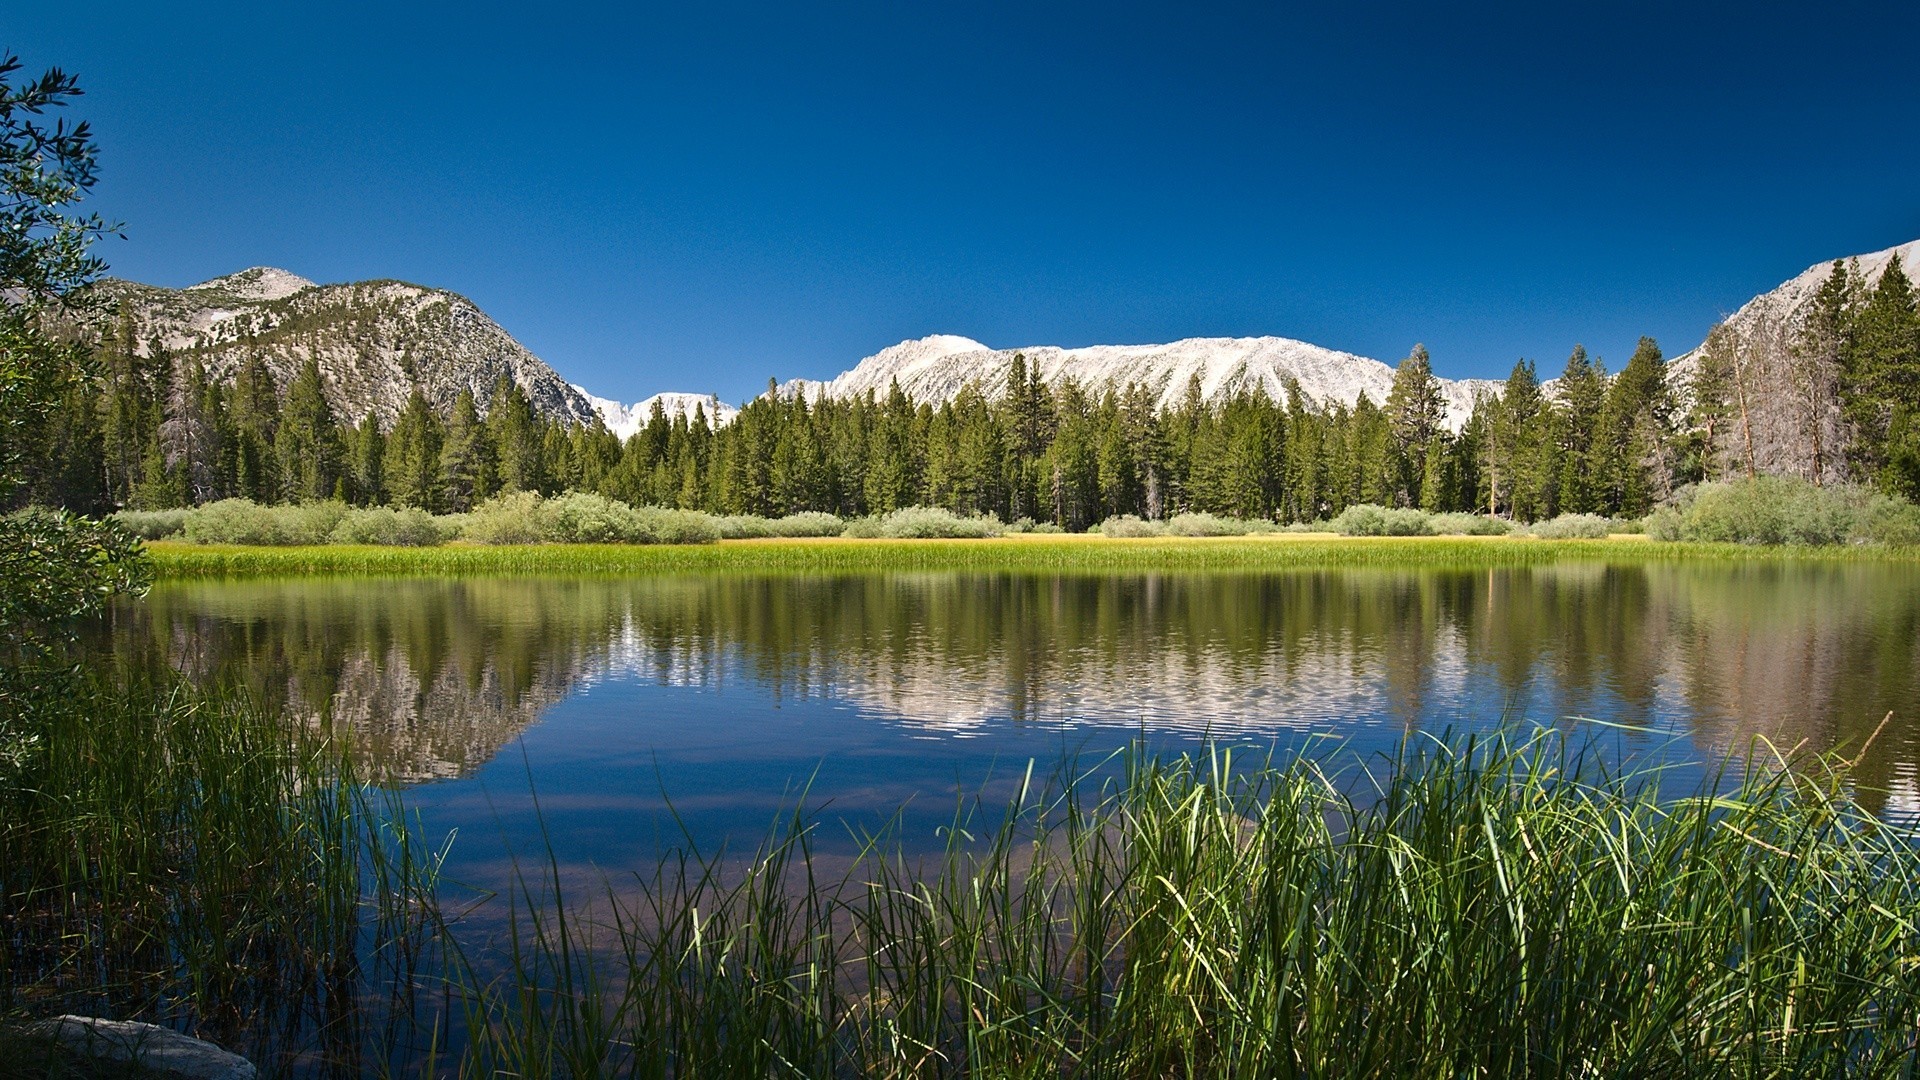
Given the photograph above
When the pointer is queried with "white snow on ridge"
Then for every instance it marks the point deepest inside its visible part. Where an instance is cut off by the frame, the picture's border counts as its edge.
(625, 420)
(934, 369)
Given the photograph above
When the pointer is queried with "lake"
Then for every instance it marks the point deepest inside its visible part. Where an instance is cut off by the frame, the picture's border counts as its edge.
(627, 715)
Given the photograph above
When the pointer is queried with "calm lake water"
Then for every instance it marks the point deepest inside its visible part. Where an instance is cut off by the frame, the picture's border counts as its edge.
(637, 708)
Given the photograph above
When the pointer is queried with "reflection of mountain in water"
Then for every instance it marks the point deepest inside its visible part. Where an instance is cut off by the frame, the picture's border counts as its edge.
(435, 676)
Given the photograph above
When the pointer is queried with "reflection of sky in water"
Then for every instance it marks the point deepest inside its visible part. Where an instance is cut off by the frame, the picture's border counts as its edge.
(729, 695)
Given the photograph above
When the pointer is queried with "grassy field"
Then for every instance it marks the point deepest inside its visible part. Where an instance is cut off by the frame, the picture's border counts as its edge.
(1011, 554)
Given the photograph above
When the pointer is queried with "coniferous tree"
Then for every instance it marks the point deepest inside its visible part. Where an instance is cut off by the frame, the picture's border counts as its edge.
(1576, 417)
(515, 437)
(412, 464)
(1632, 459)
(366, 459)
(1883, 383)
(1711, 415)
(307, 443)
(255, 409)
(466, 457)
(1414, 413)
(1817, 353)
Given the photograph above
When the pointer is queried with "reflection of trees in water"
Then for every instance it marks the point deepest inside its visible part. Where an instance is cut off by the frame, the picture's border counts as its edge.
(435, 676)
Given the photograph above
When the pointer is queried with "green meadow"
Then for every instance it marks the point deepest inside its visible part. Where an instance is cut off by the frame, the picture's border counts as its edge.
(1042, 553)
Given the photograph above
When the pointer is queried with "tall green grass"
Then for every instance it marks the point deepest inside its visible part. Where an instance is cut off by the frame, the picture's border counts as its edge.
(1013, 555)
(181, 856)
(1505, 907)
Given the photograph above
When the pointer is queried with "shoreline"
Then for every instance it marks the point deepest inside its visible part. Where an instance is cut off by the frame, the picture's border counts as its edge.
(1046, 553)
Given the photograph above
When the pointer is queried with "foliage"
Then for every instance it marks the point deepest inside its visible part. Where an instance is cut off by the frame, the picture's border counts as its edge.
(154, 524)
(1785, 510)
(180, 855)
(1464, 524)
(1463, 907)
(1127, 526)
(1367, 519)
(386, 526)
(813, 523)
(1573, 527)
(240, 521)
(924, 523)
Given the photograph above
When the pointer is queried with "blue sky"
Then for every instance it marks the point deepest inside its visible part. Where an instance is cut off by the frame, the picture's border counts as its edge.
(700, 196)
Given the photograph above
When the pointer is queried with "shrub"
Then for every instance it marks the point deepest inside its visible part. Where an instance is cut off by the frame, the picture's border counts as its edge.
(932, 522)
(1573, 527)
(1785, 510)
(242, 521)
(753, 527)
(809, 523)
(862, 528)
(743, 526)
(1206, 524)
(1127, 525)
(1463, 524)
(517, 518)
(579, 517)
(1046, 528)
(390, 527)
(662, 525)
(153, 524)
(1368, 519)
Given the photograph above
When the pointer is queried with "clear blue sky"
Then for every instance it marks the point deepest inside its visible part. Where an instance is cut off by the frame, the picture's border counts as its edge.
(698, 196)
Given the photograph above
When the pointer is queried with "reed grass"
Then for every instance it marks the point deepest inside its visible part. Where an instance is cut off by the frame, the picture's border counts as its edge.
(1013, 554)
(182, 857)
(1508, 906)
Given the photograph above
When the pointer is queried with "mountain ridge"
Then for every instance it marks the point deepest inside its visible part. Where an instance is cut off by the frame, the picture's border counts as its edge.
(376, 341)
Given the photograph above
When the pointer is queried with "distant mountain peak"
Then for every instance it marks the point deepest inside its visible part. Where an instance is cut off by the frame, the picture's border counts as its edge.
(934, 369)
(625, 420)
(256, 283)
(375, 342)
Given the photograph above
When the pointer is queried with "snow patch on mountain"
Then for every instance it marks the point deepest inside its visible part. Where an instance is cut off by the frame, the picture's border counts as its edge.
(625, 420)
(935, 369)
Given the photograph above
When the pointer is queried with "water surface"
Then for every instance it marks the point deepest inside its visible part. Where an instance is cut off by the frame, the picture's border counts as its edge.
(726, 695)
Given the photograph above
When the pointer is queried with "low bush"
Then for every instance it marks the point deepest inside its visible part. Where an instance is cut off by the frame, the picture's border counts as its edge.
(663, 525)
(390, 527)
(1127, 526)
(518, 518)
(242, 521)
(1573, 527)
(754, 527)
(1785, 510)
(1205, 524)
(1461, 524)
(153, 524)
(1368, 519)
(924, 523)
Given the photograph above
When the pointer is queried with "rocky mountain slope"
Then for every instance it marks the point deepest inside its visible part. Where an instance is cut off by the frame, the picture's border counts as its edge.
(1762, 333)
(376, 341)
(934, 369)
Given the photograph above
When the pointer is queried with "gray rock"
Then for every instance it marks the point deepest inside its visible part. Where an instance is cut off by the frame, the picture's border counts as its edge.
(147, 1045)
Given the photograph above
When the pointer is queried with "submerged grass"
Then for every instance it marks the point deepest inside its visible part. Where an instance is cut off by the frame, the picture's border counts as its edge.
(1011, 554)
(1500, 907)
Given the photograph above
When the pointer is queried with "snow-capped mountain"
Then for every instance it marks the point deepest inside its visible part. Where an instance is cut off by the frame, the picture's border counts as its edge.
(934, 369)
(375, 341)
(624, 420)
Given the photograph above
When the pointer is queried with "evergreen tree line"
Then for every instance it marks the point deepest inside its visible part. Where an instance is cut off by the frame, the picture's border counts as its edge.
(154, 431)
